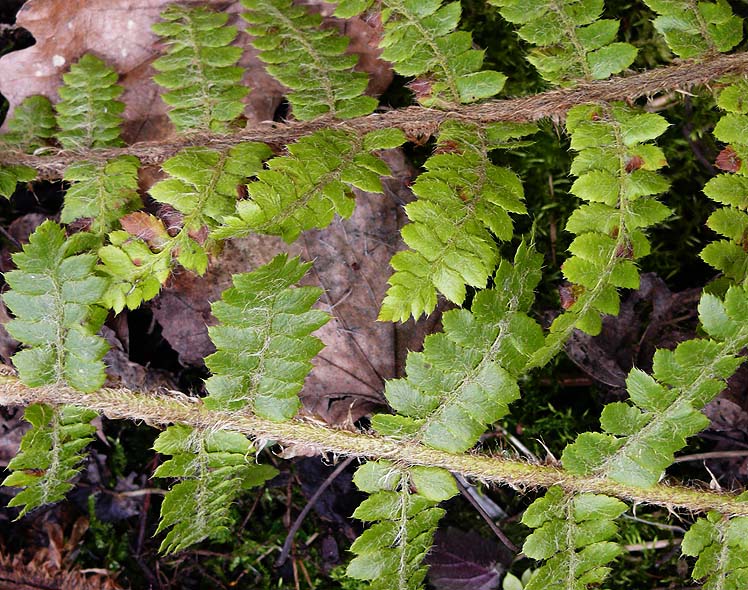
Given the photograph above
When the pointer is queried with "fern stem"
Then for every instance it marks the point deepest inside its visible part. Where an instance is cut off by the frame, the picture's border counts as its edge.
(162, 409)
(416, 122)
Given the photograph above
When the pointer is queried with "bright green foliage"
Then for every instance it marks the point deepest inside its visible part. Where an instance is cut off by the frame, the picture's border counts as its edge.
(11, 175)
(309, 60)
(33, 124)
(572, 41)
(102, 193)
(463, 202)
(89, 114)
(721, 545)
(50, 454)
(692, 29)
(263, 340)
(213, 469)
(54, 295)
(640, 439)
(730, 256)
(306, 188)
(572, 533)
(403, 507)
(420, 40)
(617, 177)
(466, 376)
(199, 69)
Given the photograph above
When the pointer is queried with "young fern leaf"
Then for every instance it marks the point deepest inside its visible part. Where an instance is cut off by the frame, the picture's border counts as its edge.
(199, 69)
(466, 376)
(617, 175)
(307, 59)
(33, 124)
(694, 29)
(463, 202)
(731, 221)
(101, 193)
(213, 469)
(49, 455)
(89, 114)
(641, 439)
(202, 187)
(53, 295)
(572, 533)
(572, 41)
(721, 545)
(420, 40)
(263, 341)
(403, 506)
(306, 188)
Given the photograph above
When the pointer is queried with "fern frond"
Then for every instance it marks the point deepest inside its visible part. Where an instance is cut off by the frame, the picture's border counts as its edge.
(214, 467)
(721, 545)
(466, 376)
(403, 506)
(263, 340)
(617, 175)
(693, 29)
(102, 193)
(202, 187)
(731, 221)
(420, 40)
(54, 295)
(307, 187)
(49, 455)
(572, 41)
(572, 533)
(463, 202)
(309, 60)
(32, 125)
(199, 69)
(11, 175)
(89, 114)
(641, 439)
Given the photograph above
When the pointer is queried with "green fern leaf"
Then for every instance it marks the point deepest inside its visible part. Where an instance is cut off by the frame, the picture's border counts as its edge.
(403, 507)
(572, 534)
(463, 202)
(89, 114)
(466, 376)
(721, 545)
(11, 175)
(102, 193)
(32, 125)
(641, 439)
(420, 40)
(199, 69)
(54, 295)
(263, 341)
(572, 41)
(309, 60)
(692, 29)
(306, 188)
(49, 455)
(214, 468)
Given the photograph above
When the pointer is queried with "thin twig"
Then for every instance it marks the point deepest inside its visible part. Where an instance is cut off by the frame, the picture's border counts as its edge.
(496, 530)
(302, 515)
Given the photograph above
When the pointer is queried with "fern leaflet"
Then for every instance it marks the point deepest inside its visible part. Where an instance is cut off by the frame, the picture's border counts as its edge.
(731, 221)
(32, 125)
(572, 533)
(572, 41)
(306, 188)
(263, 341)
(466, 376)
(463, 202)
(213, 469)
(307, 59)
(199, 69)
(403, 506)
(11, 175)
(640, 440)
(692, 29)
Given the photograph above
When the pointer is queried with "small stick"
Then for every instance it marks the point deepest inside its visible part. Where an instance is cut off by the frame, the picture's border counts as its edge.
(496, 530)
